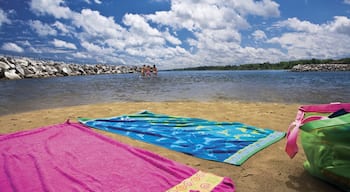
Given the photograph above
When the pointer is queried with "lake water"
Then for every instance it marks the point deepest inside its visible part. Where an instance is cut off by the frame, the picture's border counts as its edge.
(265, 86)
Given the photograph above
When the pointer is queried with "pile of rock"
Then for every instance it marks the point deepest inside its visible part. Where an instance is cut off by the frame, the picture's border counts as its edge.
(321, 67)
(19, 68)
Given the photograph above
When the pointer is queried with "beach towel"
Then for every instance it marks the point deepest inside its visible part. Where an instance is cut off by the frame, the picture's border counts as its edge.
(229, 142)
(72, 157)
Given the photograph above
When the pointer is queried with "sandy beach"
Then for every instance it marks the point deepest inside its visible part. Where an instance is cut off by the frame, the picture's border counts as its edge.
(268, 170)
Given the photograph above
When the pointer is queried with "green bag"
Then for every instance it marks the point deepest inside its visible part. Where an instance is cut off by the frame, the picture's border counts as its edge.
(326, 142)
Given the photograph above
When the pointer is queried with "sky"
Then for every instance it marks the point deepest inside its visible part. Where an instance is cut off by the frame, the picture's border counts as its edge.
(175, 33)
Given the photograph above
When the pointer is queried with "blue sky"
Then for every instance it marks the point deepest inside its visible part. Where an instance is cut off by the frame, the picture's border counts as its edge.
(175, 33)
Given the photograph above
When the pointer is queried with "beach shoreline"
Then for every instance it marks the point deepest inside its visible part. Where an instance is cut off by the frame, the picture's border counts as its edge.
(268, 170)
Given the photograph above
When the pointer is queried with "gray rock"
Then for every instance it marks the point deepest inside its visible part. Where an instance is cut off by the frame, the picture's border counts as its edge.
(4, 65)
(11, 74)
(2, 73)
(10, 60)
(30, 68)
(22, 62)
(66, 71)
(20, 70)
(321, 67)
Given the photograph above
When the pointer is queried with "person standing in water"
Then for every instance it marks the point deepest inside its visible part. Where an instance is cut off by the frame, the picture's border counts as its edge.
(154, 70)
(143, 70)
(148, 71)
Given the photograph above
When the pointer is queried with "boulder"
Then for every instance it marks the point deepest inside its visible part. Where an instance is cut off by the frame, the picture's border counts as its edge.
(66, 71)
(4, 65)
(20, 70)
(22, 62)
(11, 74)
(2, 73)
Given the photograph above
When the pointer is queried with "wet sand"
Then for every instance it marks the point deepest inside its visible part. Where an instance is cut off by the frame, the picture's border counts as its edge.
(268, 170)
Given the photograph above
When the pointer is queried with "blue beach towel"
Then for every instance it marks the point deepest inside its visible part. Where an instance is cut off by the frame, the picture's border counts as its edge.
(229, 142)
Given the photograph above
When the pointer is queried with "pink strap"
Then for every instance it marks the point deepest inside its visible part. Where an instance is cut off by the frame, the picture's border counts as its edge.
(292, 134)
(326, 108)
(293, 129)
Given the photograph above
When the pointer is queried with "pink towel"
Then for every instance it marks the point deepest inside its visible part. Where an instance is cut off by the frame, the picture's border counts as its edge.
(71, 157)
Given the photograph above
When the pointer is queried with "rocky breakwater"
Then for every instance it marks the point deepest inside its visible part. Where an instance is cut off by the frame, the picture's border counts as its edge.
(19, 68)
(321, 67)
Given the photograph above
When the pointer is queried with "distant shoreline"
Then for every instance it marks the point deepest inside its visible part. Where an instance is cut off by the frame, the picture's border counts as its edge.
(298, 65)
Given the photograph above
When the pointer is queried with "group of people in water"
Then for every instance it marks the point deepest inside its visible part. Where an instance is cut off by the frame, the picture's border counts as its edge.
(148, 71)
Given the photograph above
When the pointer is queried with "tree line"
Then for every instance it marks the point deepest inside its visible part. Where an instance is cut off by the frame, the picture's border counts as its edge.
(283, 65)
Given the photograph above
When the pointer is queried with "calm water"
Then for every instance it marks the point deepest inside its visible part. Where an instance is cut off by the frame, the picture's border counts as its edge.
(266, 86)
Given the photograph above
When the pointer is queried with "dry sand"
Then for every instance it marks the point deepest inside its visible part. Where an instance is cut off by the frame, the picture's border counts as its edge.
(268, 170)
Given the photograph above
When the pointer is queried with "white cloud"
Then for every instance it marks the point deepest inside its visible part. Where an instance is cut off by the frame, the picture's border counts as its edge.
(4, 18)
(51, 7)
(12, 47)
(63, 27)
(347, 1)
(340, 24)
(139, 25)
(28, 46)
(81, 55)
(295, 24)
(265, 8)
(306, 45)
(214, 27)
(141, 33)
(96, 1)
(25, 43)
(194, 16)
(96, 49)
(42, 29)
(63, 44)
(34, 50)
(170, 38)
(259, 35)
(95, 24)
(308, 40)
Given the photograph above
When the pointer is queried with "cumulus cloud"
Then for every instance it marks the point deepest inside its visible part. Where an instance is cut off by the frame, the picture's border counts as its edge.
(96, 1)
(139, 29)
(81, 55)
(308, 40)
(295, 24)
(265, 8)
(28, 46)
(215, 25)
(42, 29)
(194, 16)
(63, 44)
(340, 24)
(95, 24)
(63, 27)
(96, 49)
(259, 35)
(12, 47)
(4, 18)
(56, 8)
(213, 31)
